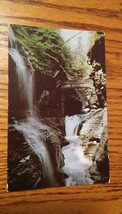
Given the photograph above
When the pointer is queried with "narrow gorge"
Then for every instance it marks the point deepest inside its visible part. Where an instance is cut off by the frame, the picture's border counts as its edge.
(57, 132)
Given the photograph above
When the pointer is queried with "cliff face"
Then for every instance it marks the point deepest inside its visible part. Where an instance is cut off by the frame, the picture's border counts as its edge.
(48, 93)
(95, 141)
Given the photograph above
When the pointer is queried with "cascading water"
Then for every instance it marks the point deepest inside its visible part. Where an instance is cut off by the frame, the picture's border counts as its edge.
(24, 77)
(76, 164)
(31, 128)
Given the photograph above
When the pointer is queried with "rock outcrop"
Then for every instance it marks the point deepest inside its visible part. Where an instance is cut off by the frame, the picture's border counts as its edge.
(95, 141)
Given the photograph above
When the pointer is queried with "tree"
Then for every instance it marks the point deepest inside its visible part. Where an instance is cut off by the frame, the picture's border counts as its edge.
(45, 48)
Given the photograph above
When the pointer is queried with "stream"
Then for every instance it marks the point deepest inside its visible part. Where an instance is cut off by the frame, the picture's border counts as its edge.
(76, 164)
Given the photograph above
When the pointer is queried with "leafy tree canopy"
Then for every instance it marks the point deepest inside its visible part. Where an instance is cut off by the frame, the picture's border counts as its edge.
(46, 49)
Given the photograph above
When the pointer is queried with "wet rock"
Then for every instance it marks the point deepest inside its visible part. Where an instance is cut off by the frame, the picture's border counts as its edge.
(18, 105)
(24, 167)
(48, 93)
(94, 126)
(54, 143)
(25, 170)
(95, 140)
(101, 159)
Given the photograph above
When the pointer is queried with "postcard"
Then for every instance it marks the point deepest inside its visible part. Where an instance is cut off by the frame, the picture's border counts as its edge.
(57, 113)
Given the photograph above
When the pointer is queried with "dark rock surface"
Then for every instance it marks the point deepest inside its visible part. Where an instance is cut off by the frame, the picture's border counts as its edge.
(48, 93)
(24, 167)
(101, 161)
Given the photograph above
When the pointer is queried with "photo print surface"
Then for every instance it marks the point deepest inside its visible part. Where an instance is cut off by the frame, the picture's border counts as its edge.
(57, 116)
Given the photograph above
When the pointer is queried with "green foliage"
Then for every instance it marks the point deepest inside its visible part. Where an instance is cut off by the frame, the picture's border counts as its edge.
(45, 48)
(96, 36)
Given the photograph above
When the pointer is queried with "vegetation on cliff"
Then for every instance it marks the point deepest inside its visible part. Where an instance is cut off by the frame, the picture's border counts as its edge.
(45, 47)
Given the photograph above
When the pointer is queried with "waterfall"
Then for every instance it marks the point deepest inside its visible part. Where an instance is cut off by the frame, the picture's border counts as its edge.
(32, 131)
(12, 39)
(71, 125)
(31, 128)
(24, 77)
(76, 164)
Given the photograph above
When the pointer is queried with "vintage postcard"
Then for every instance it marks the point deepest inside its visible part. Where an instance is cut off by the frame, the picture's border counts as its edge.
(57, 123)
